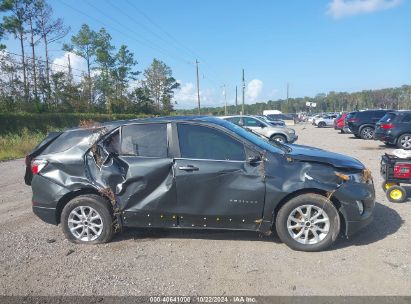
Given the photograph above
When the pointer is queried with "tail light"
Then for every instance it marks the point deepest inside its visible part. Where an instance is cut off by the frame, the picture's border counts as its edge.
(37, 165)
(402, 170)
(387, 126)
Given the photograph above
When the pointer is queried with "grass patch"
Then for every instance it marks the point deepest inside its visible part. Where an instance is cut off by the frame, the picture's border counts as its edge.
(18, 145)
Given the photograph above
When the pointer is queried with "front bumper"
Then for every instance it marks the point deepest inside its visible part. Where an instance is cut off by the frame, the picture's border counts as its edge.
(348, 195)
(292, 139)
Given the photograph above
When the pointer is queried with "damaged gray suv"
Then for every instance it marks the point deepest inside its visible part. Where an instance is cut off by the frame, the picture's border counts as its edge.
(196, 173)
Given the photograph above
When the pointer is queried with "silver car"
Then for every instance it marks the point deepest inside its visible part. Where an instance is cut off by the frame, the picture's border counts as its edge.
(280, 134)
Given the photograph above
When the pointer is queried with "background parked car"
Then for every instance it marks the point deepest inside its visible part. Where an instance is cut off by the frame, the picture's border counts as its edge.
(395, 129)
(287, 118)
(325, 121)
(339, 122)
(362, 123)
(275, 123)
(280, 134)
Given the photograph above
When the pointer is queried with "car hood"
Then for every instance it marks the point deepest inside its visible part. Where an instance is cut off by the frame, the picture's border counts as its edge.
(311, 154)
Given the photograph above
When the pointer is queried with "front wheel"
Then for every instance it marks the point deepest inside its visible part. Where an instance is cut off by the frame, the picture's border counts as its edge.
(279, 138)
(87, 219)
(321, 124)
(308, 222)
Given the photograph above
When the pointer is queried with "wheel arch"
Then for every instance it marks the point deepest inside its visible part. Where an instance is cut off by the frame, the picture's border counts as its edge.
(279, 133)
(365, 125)
(63, 201)
(318, 191)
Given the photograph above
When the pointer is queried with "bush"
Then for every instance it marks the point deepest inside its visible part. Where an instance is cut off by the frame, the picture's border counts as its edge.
(18, 145)
(16, 123)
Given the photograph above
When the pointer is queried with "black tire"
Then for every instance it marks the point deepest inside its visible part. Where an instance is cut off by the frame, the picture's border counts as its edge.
(321, 124)
(386, 185)
(279, 138)
(88, 202)
(318, 201)
(367, 133)
(404, 141)
(391, 194)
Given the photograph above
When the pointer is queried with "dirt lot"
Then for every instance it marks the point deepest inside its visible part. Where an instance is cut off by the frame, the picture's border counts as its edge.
(35, 259)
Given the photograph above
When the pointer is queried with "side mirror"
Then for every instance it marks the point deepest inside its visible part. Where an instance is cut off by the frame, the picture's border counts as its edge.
(252, 160)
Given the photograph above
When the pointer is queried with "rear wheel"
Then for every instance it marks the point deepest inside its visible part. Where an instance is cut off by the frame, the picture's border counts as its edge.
(321, 124)
(87, 219)
(367, 133)
(308, 222)
(279, 138)
(404, 142)
(396, 194)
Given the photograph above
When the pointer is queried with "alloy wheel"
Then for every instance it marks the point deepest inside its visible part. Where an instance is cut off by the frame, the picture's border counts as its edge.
(308, 224)
(367, 133)
(406, 142)
(85, 223)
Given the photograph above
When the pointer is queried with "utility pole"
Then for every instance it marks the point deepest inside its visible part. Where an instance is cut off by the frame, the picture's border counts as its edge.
(198, 89)
(225, 100)
(236, 103)
(242, 106)
(69, 68)
(288, 89)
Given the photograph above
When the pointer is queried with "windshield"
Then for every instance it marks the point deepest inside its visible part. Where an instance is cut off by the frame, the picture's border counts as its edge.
(254, 138)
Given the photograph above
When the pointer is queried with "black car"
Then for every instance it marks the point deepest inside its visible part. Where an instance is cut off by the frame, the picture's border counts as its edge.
(196, 173)
(395, 129)
(362, 123)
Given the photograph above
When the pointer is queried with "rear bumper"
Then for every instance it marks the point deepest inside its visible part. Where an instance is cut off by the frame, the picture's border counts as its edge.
(382, 136)
(47, 215)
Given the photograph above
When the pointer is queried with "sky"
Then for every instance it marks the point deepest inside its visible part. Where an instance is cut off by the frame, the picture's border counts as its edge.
(316, 46)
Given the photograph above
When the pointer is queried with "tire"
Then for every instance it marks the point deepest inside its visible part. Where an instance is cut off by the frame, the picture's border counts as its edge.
(321, 124)
(386, 185)
(94, 231)
(367, 133)
(404, 141)
(279, 138)
(396, 194)
(330, 223)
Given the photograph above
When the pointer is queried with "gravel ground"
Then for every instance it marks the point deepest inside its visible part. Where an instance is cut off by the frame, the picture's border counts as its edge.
(35, 258)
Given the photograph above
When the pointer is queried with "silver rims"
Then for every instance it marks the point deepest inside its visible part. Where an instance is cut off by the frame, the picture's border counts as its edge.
(367, 133)
(308, 224)
(279, 139)
(405, 142)
(85, 223)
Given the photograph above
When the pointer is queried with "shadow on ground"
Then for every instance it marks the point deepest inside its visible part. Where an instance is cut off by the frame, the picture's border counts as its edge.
(386, 222)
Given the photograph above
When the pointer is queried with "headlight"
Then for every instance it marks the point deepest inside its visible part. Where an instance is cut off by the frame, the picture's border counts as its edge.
(356, 177)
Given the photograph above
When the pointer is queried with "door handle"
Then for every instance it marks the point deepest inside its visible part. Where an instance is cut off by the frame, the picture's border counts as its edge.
(188, 168)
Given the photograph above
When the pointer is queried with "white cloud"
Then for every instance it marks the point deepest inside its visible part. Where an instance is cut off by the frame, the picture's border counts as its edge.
(254, 89)
(343, 8)
(186, 96)
(78, 65)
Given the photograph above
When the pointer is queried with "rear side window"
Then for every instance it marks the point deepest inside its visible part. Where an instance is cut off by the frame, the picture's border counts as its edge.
(148, 140)
(389, 117)
(199, 142)
(235, 120)
(407, 118)
(66, 141)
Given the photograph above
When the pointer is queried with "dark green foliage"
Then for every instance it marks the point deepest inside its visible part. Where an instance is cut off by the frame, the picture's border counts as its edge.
(16, 123)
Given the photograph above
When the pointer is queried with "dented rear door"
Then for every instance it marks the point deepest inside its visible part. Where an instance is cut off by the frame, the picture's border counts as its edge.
(147, 194)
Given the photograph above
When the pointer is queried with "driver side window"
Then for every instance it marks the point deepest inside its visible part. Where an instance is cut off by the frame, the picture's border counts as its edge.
(200, 142)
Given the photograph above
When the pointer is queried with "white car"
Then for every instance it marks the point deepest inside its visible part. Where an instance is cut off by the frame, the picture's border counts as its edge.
(325, 121)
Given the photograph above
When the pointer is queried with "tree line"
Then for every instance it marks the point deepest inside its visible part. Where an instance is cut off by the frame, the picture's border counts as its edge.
(31, 82)
(390, 98)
